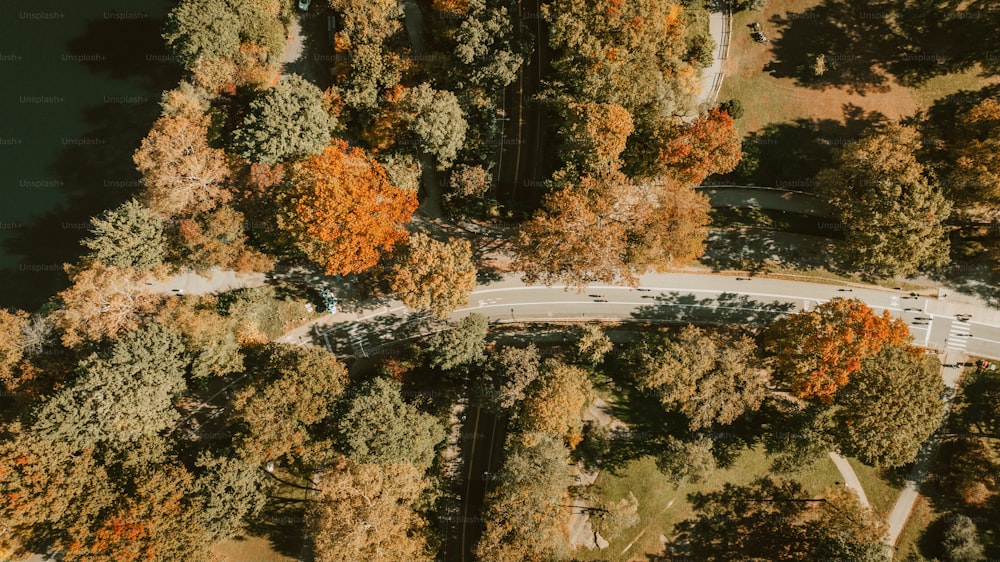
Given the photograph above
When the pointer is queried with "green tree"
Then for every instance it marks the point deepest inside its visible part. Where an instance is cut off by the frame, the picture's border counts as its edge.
(437, 120)
(130, 236)
(434, 276)
(554, 402)
(52, 492)
(524, 517)
(377, 426)
(891, 406)
(366, 512)
(847, 530)
(893, 212)
(709, 378)
(485, 48)
(202, 29)
(685, 461)
(461, 345)
(231, 492)
(364, 26)
(293, 390)
(122, 394)
(616, 517)
(509, 371)
(592, 344)
(961, 541)
(798, 437)
(288, 122)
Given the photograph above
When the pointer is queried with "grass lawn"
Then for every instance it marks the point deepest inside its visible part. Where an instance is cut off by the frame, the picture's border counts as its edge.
(277, 535)
(661, 505)
(756, 76)
(920, 518)
(881, 493)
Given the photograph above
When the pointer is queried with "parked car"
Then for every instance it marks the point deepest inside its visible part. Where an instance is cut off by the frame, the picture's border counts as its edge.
(304, 4)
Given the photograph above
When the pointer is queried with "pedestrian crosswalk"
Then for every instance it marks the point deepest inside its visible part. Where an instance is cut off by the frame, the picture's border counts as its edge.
(958, 336)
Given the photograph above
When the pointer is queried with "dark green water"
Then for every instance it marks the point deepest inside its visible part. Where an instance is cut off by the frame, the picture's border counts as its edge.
(80, 87)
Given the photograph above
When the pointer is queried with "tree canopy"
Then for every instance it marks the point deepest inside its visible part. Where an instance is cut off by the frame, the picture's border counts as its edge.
(891, 207)
(461, 345)
(378, 426)
(293, 390)
(121, 395)
(818, 350)
(365, 512)
(434, 276)
(180, 171)
(129, 236)
(288, 122)
(437, 120)
(709, 378)
(891, 406)
(342, 211)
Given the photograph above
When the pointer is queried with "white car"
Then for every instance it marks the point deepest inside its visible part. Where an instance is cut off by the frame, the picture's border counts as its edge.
(304, 4)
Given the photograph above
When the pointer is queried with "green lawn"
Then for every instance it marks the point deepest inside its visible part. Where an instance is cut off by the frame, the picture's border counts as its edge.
(920, 518)
(881, 493)
(661, 505)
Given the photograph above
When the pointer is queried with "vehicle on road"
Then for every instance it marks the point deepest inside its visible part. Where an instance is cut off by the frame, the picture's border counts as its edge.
(304, 5)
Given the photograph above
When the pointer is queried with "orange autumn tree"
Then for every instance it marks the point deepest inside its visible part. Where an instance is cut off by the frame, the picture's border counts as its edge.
(343, 212)
(818, 350)
(709, 145)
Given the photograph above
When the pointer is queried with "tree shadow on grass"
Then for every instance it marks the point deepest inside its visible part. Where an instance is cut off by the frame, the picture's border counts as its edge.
(790, 155)
(864, 44)
(758, 250)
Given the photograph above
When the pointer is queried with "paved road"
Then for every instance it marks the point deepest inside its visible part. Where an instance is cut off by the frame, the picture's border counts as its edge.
(713, 74)
(850, 477)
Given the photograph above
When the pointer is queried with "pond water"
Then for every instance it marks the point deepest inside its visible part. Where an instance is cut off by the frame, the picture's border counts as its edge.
(80, 89)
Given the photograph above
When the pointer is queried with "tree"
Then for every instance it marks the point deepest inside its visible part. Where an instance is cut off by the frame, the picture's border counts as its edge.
(121, 395)
(758, 521)
(554, 402)
(342, 211)
(847, 530)
(468, 183)
(891, 406)
(365, 512)
(818, 350)
(485, 48)
(961, 542)
(12, 325)
(202, 29)
(979, 402)
(461, 345)
(50, 492)
(673, 232)
(524, 518)
(594, 135)
(230, 492)
(892, 210)
(593, 344)
(215, 239)
(798, 437)
(364, 26)
(209, 337)
(130, 236)
(288, 122)
(437, 120)
(377, 426)
(156, 522)
(509, 372)
(580, 236)
(102, 302)
(709, 145)
(180, 171)
(434, 276)
(292, 392)
(709, 378)
(973, 180)
(685, 461)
